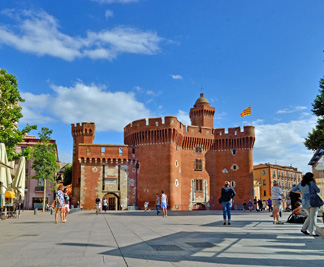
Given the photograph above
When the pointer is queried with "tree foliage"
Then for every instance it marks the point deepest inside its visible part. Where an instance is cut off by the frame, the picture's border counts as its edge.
(67, 175)
(10, 114)
(316, 137)
(44, 159)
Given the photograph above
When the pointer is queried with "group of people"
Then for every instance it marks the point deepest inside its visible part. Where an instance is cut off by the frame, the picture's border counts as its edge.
(303, 190)
(98, 205)
(163, 203)
(300, 201)
(62, 204)
(257, 205)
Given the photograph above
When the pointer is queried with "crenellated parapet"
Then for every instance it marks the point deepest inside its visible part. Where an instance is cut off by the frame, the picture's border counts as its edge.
(170, 130)
(84, 128)
(104, 154)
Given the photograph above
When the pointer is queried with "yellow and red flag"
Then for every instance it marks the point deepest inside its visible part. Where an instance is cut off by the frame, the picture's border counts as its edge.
(246, 112)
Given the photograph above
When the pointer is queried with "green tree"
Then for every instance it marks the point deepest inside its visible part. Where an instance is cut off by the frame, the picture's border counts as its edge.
(316, 137)
(67, 175)
(10, 114)
(44, 158)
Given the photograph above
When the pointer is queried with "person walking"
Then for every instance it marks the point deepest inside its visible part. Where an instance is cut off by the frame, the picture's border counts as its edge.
(164, 205)
(66, 203)
(244, 205)
(260, 204)
(255, 202)
(227, 195)
(269, 204)
(104, 204)
(59, 204)
(157, 204)
(277, 195)
(250, 205)
(97, 205)
(305, 187)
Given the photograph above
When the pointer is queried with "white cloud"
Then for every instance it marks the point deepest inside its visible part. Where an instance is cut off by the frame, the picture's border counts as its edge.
(176, 77)
(183, 117)
(33, 108)
(89, 103)
(109, 14)
(291, 109)
(38, 33)
(283, 143)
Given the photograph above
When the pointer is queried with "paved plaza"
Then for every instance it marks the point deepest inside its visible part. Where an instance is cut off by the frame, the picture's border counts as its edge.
(138, 238)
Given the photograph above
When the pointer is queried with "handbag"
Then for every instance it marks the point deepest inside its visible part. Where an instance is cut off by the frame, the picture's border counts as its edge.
(220, 200)
(314, 199)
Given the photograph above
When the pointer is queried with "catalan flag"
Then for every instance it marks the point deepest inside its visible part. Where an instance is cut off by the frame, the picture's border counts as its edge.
(246, 112)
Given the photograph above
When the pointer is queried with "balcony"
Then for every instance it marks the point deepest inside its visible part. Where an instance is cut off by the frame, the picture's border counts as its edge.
(39, 188)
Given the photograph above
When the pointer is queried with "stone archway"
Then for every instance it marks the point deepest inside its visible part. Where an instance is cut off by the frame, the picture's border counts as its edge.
(112, 201)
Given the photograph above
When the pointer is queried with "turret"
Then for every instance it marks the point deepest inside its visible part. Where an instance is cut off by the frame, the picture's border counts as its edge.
(202, 114)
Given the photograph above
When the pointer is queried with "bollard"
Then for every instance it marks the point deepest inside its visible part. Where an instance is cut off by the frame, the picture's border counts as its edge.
(35, 211)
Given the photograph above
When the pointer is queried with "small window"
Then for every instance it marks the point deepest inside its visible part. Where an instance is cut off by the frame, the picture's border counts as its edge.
(133, 150)
(120, 150)
(264, 193)
(199, 185)
(198, 165)
(102, 149)
(264, 182)
(234, 152)
(234, 167)
(235, 133)
(273, 173)
(198, 149)
(233, 184)
(263, 172)
(156, 123)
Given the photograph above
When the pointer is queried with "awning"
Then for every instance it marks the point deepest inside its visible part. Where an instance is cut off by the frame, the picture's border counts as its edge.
(10, 194)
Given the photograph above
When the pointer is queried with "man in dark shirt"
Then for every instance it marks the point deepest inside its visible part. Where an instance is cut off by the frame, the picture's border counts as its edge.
(294, 197)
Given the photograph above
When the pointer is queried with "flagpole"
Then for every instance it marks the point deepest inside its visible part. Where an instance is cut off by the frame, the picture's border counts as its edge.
(251, 115)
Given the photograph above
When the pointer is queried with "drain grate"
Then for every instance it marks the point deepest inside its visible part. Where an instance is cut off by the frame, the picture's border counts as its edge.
(201, 244)
(166, 247)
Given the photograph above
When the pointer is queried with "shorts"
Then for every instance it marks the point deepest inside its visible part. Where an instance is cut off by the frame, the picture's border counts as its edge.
(164, 205)
(276, 204)
(58, 205)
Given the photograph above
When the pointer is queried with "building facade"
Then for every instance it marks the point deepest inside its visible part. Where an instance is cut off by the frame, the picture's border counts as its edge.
(264, 174)
(190, 163)
(317, 163)
(34, 193)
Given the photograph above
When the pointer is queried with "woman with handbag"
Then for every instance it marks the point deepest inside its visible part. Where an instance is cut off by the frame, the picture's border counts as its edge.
(307, 187)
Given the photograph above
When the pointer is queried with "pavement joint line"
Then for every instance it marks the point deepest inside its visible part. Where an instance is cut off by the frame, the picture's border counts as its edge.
(115, 241)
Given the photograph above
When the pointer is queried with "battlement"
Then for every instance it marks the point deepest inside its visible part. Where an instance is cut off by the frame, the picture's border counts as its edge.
(153, 123)
(156, 124)
(84, 128)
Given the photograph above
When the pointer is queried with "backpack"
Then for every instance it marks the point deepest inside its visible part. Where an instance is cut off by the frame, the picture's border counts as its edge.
(294, 218)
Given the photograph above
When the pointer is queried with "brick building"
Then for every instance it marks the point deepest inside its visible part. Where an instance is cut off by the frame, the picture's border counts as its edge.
(190, 163)
(264, 174)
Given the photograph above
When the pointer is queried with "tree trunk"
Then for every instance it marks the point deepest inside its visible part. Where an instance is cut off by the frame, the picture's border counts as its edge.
(44, 196)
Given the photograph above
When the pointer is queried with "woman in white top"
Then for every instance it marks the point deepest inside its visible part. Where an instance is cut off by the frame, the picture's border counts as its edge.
(164, 205)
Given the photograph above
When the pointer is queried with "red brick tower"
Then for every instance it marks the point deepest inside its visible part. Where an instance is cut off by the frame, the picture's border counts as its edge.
(82, 134)
(202, 114)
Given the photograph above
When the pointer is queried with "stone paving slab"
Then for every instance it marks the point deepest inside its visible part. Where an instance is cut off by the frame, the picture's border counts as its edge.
(138, 238)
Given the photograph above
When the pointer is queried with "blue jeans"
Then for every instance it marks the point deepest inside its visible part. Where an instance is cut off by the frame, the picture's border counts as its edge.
(157, 209)
(227, 210)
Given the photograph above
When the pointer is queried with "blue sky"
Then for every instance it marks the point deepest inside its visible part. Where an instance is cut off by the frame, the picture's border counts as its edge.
(115, 61)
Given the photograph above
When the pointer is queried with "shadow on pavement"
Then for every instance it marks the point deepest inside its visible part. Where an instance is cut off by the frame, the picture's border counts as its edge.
(227, 248)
